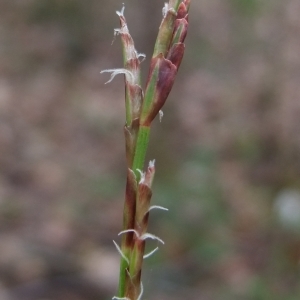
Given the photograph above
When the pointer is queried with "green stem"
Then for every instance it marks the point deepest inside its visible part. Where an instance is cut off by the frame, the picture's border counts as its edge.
(122, 277)
(137, 134)
(140, 150)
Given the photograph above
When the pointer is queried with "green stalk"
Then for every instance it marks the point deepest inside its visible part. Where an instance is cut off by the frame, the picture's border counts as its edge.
(141, 150)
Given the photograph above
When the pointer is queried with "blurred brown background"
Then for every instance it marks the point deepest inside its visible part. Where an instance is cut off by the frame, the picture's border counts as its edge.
(227, 152)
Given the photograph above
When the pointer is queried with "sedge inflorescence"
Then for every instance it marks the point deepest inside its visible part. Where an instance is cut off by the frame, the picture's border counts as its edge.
(142, 106)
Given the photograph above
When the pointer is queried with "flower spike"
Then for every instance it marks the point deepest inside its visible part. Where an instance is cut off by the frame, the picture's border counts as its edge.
(142, 106)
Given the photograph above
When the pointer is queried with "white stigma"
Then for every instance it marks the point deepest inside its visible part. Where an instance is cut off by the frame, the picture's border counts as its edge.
(157, 207)
(143, 236)
(129, 75)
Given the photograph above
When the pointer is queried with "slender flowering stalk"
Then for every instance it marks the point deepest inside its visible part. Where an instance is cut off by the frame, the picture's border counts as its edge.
(141, 109)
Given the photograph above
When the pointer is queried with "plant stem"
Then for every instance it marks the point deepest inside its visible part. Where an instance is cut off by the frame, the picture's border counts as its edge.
(140, 150)
(140, 112)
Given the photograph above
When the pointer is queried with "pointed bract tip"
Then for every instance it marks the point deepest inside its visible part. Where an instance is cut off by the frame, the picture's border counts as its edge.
(117, 31)
(161, 114)
(121, 13)
(165, 9)
(142, 176)
(151, 163)
(150, 236)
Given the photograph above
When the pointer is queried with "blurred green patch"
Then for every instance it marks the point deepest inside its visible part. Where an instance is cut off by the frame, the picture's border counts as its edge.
(248, 147)
(11, 213)
(197, 215)
(246, 7)
(106, 187)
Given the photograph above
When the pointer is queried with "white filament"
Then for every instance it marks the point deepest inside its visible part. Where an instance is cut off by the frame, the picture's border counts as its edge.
(150, 253)
(129, 75)
(120, 251)
(143, 236)
(157, 207)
